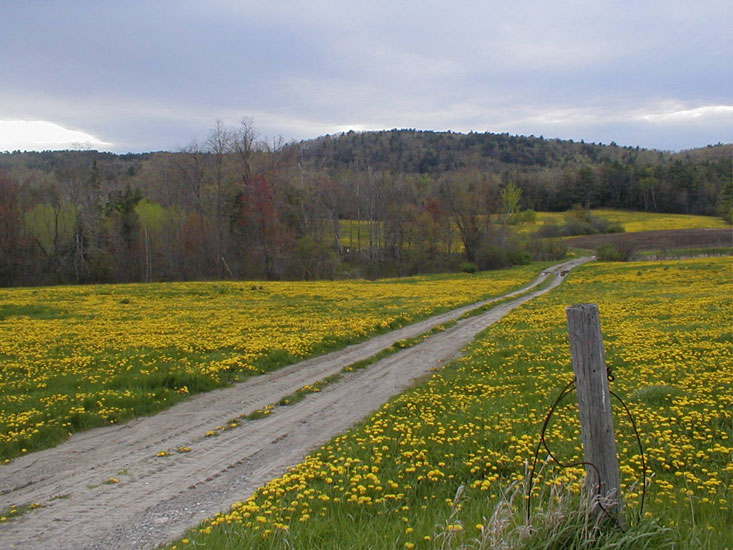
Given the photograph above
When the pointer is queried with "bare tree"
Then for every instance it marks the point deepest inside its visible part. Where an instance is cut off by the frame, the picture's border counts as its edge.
(191, 166)
(219, 144)
(243, 144)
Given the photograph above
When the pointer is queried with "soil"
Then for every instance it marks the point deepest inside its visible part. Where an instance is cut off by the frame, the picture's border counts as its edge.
(651, 240)
(157, 498)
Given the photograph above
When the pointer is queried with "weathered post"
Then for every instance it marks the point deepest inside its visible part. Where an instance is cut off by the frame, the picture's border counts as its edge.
(594, 404)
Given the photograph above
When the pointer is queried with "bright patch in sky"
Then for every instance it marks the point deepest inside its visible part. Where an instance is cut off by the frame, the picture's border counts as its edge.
(40, 135)
(685, 115)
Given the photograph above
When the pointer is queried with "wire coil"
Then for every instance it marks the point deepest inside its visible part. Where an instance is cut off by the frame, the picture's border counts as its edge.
(567, 390)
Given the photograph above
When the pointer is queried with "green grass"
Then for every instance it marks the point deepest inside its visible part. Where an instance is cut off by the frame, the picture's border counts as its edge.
(13, 512)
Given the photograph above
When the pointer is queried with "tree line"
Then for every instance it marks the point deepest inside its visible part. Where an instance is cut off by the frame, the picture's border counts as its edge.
(354, 205)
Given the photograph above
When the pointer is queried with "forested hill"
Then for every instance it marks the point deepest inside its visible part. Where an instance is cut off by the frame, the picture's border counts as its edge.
(232, 207)
(427, 152)
(552, 173)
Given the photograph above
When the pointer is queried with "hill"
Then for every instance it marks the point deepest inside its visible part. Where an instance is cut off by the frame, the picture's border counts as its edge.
(416, 151)
(552, 173)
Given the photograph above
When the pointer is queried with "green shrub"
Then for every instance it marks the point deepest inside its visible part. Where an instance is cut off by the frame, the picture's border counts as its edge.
(579, 222)
(468, 267)
(525, 216)
(609, 253)
(517, 256)
(491, 256)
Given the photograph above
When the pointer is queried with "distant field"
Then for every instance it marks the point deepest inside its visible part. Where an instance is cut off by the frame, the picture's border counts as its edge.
(76, 357)
(643, 221)
(470, 429)
(355, 233)
(694, 240)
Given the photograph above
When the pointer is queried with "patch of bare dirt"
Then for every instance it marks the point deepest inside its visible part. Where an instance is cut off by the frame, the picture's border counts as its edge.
(653, 240)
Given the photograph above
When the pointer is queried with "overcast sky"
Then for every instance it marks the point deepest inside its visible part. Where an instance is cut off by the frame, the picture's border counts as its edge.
(142, 75)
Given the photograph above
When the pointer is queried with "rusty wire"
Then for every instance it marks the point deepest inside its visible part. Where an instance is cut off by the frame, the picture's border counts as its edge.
(567, 390)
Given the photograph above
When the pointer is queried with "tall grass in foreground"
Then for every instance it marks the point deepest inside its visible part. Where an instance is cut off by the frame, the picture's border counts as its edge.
(569, 522)
(392, 481)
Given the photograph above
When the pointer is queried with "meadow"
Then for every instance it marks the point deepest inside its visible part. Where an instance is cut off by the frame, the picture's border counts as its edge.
(428, 469)
(633, 222)
(72, 358)
(354, 233)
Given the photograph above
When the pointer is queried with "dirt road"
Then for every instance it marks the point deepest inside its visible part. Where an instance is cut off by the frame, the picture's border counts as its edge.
(157, 498)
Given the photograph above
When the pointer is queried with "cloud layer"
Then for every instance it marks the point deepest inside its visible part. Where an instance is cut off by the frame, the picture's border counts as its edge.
(39, 134)
(155, 75)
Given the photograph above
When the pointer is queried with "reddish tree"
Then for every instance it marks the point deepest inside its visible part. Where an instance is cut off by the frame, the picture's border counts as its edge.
(266, 237)
(11, 236)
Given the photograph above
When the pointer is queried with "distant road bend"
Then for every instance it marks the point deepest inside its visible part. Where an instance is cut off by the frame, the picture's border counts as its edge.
(156, 499)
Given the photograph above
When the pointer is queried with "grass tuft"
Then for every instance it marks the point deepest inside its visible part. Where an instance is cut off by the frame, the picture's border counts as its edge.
(567, 521)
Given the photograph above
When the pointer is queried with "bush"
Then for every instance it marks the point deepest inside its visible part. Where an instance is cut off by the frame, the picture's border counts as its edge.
(577, 226)
(602, 225)
(517, 256)
(490, 256)
(579, 222)
(468, 267)
(609, 253)
(525, 216)
(528, 216)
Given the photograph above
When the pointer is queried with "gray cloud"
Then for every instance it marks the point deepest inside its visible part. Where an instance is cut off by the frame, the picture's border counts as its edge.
(155, 75)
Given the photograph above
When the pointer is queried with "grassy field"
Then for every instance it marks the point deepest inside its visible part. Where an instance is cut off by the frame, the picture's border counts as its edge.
(353, 232)
(429, 468)
(72, 358)
(633, 222)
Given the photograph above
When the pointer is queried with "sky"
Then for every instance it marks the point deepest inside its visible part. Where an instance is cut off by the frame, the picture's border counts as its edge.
(151, 75)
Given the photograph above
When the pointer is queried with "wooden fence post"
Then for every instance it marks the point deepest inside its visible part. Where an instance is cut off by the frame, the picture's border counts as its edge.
(594, 404)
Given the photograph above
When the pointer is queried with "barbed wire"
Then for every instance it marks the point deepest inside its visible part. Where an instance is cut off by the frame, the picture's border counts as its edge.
(567, 390)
